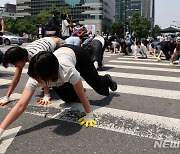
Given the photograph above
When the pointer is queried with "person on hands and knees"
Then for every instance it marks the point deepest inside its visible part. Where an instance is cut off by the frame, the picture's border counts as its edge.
(64, 69)
(176, 55)
(18, 57)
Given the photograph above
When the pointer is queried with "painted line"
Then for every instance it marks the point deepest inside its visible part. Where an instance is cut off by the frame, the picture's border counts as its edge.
(127, 122)
(106, 56)
(137, 59)
(143, 91)
(7, 138)
(143, 68)
(12, 69)
(121, 121)
(4, 82)
(141, 76)
(138, 62)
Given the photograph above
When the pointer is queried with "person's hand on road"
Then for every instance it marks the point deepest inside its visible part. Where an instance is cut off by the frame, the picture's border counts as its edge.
(87, 120)
(45, 100)
(4, 100)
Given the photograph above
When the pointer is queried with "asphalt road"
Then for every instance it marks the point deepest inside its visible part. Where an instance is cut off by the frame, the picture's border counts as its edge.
(141, 114)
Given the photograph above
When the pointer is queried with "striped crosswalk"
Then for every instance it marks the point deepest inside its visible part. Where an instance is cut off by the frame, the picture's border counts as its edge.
(128, 121)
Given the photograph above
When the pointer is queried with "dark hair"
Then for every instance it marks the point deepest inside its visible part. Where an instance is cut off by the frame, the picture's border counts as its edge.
(63, 16)
(138, 42)
(13, 55)
(44, 65)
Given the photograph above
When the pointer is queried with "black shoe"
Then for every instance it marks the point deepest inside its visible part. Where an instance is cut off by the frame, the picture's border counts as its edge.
(112, 84)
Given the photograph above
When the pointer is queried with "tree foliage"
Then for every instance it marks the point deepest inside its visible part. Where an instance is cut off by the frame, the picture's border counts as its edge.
(140, 26)
(156, 31)
(29, 24)
(117, 27)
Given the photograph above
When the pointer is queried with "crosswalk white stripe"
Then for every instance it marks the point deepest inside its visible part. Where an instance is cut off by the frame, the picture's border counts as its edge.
(138, 59)
(106, 56)
(138, 62)
(7, 138)
(144, 68)
(141, 76)
(143, 91)
(12, 69)
(4, 81)
(128, 122)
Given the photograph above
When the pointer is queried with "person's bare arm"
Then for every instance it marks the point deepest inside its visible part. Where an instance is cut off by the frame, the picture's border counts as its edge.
(82, 96)
(59, 41)
(15, 80)
(18, 109)
(174, 55)
(2, 24)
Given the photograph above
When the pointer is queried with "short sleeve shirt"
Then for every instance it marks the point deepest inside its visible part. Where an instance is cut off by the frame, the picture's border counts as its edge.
(67, 70)
(43, 44)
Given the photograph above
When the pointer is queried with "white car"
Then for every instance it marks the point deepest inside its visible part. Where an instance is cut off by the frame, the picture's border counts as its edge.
(10, 38)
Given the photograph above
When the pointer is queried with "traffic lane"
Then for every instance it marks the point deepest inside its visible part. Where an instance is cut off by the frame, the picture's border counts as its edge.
(137, 103)
(148, 83)
(43, 135)
(137, 71)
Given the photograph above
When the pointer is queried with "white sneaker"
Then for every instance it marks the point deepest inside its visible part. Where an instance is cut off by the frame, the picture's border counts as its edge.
(96, 64)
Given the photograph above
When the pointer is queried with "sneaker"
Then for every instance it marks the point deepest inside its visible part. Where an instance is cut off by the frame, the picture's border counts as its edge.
(112, 84)
(96, 64)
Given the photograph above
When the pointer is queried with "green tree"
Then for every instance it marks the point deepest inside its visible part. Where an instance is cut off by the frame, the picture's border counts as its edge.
(140, 26)
(29, 24)
(117, 27)
(156, 31)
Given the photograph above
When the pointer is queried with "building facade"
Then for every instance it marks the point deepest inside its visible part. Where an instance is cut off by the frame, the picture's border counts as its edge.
(100, 13)
(126, 9)
(9, 10)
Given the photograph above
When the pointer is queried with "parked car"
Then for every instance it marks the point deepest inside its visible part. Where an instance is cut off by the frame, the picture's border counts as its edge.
(10, 38)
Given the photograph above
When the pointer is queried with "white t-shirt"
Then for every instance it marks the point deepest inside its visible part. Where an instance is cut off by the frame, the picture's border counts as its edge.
(65, 28)
(43, 44)
(67, 70)
(142, 49)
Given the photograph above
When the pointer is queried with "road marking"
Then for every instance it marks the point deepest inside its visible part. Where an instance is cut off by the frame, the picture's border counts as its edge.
(137, 59)
(7, 138)
(143, 91)
(143, 68)
(4, 81)
(127, 122)
(135, 90)
(138, 62)
(141, 76)
(12, 69)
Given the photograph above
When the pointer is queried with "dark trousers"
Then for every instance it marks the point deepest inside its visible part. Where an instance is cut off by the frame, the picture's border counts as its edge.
(88, 72)
(97, 51)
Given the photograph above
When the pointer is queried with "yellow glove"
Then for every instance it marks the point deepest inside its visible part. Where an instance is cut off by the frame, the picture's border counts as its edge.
(158, 58)
(87, 120)
(171, 64)
(5, 100)
(45, 100)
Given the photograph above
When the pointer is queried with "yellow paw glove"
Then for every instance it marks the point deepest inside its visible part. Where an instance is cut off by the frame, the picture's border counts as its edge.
(158, 58)
(171, 64)
(45, 100)
(87, 120)
(5, 100)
